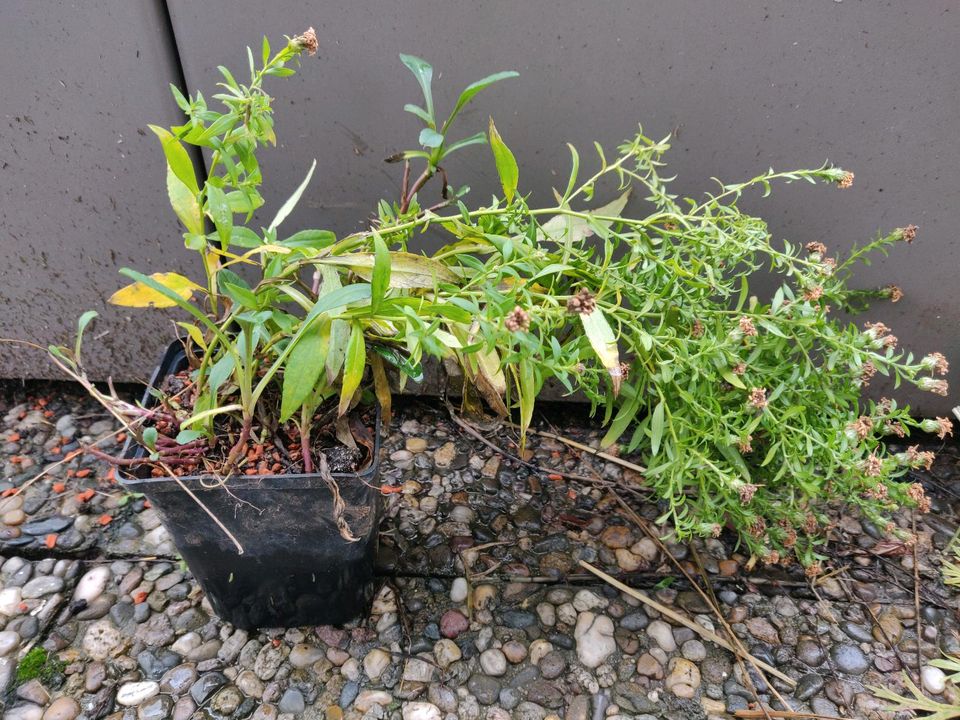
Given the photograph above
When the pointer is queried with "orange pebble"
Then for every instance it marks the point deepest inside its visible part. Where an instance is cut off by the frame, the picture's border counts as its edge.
(14, 437)
(554, 476)
(85, 495)
(9, 491)
(147, 504)
(105, 519)
(84, 473)
(56, 450)
(48, 413)
(50, 541)
(390, 489)
(121, 437)
(139, 597)
(59, 487)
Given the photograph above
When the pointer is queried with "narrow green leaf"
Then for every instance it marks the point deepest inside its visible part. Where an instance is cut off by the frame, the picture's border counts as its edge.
(178, 159)
(476, 139)
(187, 436)
(528, 395)
(380, 281)
(303, 369)
(353, 367)
(82, 323)
(733, 379)
(219, 210)
(418, 111)
(423, 72)
(656, 429)
(472, 89)
(292, 201)
(506, 163)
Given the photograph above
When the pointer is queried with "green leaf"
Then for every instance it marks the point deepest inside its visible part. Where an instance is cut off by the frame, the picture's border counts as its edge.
(423, 72)
(566, 229)
(353, 367)
(310, 239)
(604, 344)
(292, 201)
(265, 50)
(303, 369)
(219, 211)
(430, 138)
(184, 204)
(418, 111)
(476, 139)
(178, 159)
(527, 393)
(150, 436)
(245, 237)
(82, 323)
(733, 379)
(656, 429)
(187, 436)
(473, 88)
(506, 163)
(339, 336)
(219, 372)
(380, 281)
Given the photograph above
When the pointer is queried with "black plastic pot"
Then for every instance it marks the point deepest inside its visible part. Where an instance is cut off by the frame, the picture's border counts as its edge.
(295, 568)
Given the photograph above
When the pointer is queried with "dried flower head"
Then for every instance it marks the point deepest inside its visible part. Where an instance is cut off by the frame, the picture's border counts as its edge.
(518, 319)
(816, 248)
(696, 330)
(846, 180)
(894, 428)
(935, 362)
(810, 524)
(307, 41)
(624, 370)
(758, 398)
(916, 493)
(747, 491)
(894, 293)
(908, 234)
(878, 492)
(937, 387)
(772, 558)
(747, 327)
(867, 371)
(916, 458)
(813, 294)
(790, 539)
(715, 530)
(670, 226)
(872, 466)
(827, 266)
(860, 428)
(582, 303)
(813, 570)
(739, 369)
(758, 527)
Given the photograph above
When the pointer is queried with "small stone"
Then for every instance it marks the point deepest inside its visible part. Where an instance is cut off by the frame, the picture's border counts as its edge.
(810, 652)
(292, 702)
(849, 659)
(134, 693)
(416, 445)
(33, 691)
(9, 642)
(452, 623)
(43, 585)
(493, 662)
(684, 678)
(368, 698)
(627, 561)
(459, 590)
(728, 568)
(694, 650)
(933, 679)
(375, 662)
(761, 629)
(303, 655)
(206, 686)
(24, 712)
(514, 651)
(92, 584)
(444, 456)
(446, 652)
(157, 708)
(249, 684)
(649, 666)
(587, 600)
(662, 635)
(421, 711)
(594, 638)
(101, 640)
(553, 664)
(808, 686)
(417, 670)
(617, 536)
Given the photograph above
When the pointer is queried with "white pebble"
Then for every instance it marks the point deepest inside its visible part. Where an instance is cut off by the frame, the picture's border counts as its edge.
(134, 693)
(933, 679)
(421, 711)
(458, 592)
(92, 584)
(662, 634)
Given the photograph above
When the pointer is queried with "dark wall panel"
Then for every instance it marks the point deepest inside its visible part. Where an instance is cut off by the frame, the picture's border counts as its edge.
(745, 85)
(81, 177)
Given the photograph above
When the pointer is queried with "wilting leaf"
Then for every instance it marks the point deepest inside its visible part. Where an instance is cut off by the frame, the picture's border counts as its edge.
(406, 269)
(353, 366)
(139, 295)
(567, 229)
(303, 368)
(381, 386)
(506, 163)
(604, 344)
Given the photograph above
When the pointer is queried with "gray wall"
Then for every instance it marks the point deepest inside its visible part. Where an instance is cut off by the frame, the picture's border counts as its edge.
(745, 85)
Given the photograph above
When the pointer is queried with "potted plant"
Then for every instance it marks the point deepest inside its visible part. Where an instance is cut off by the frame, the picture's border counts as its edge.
(748, 414)
(256, 440)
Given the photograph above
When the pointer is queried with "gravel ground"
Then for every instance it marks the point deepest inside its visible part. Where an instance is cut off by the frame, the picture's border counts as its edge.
(484, 611)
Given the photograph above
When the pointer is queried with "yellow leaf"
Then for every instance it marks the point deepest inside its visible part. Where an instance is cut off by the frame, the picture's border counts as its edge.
(139, 295)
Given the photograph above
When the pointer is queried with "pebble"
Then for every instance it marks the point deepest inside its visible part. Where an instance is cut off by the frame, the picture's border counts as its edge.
(9, 642)
(421, 711)
(303, 655)
(40, 586)
(134, 693)
(933, 679)
(446, 652)
(849, 659)
(459, 590)
(92, 584)
(684, 678)
(292, 702)
(452, 623)
(662, 635)
(375, 662)
(493, 662)
(594, 637)
(63, 708)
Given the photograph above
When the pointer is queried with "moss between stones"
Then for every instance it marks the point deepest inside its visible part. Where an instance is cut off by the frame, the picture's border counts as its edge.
(39, 664)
